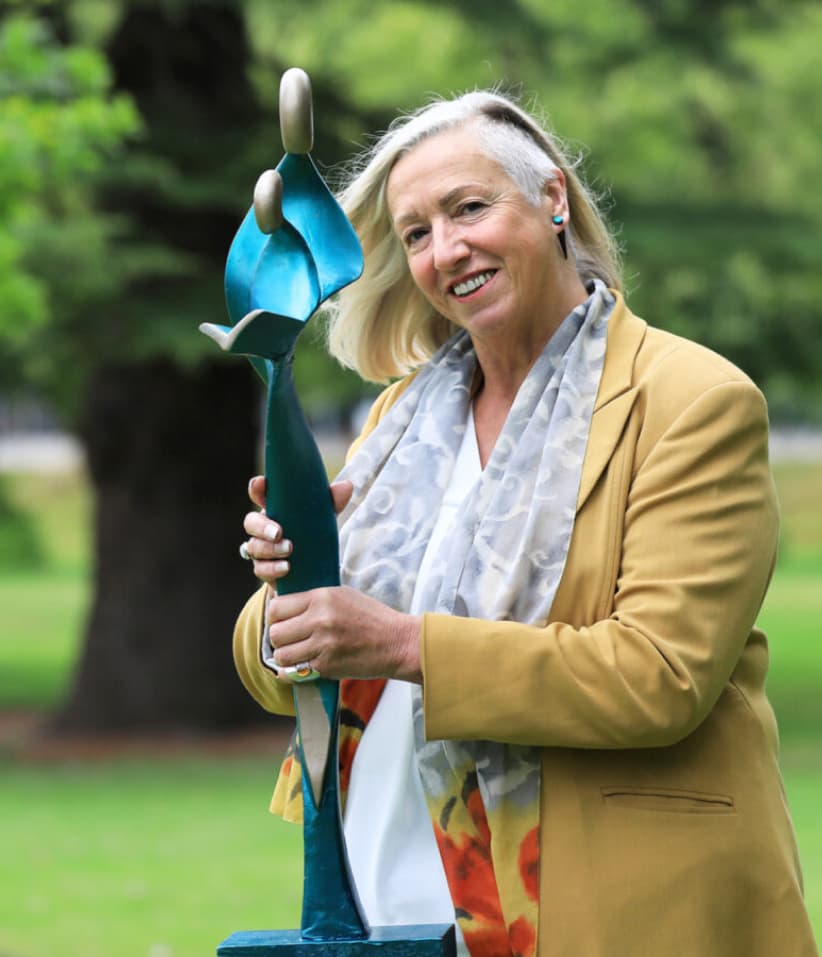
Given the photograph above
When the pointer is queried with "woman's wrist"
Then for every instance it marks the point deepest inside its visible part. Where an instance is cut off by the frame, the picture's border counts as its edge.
(409, 631)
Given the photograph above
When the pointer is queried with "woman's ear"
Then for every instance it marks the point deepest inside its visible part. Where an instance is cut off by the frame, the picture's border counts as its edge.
(555, 196)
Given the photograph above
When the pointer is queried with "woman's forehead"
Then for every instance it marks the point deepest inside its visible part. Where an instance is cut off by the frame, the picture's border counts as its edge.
(447, 143)
(439, 167)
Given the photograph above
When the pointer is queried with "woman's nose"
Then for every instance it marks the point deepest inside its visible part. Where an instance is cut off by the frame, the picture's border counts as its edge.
(449, 246)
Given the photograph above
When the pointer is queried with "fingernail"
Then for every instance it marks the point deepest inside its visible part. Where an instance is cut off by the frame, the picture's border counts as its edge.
(281, 567)
(272, 532)
(282, 548)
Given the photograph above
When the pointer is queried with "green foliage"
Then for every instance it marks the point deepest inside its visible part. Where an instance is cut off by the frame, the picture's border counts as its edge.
(20, 547)
(44, 585)
(721, 229)
(59, 125)
(693, 116)
(57, 507)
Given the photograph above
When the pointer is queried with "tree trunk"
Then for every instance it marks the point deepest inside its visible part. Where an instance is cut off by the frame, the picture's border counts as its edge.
(170, 452)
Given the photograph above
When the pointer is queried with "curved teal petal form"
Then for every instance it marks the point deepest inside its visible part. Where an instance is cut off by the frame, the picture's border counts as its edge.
(310, 207)
(274, 273)
(285, 280)
(310, 257)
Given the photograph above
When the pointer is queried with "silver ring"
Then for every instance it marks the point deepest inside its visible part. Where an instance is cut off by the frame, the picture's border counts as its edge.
(244, 552)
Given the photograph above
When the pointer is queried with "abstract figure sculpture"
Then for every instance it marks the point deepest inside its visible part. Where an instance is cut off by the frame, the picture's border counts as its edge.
(294, 249)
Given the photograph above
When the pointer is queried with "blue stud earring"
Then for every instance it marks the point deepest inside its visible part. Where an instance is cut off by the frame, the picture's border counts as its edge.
(559, 220)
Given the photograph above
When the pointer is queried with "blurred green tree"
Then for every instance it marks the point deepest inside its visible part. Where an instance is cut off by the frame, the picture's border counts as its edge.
(693, 117)
(119, 280)
(58, 126)
(114, 290)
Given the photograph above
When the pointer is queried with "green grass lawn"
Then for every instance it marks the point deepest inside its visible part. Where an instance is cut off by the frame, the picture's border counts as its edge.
(142, 858)
(166, 857)
(792, 617)
(42, 617)
(802, 768)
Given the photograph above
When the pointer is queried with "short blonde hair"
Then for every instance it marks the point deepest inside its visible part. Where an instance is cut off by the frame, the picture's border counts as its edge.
(382, 326)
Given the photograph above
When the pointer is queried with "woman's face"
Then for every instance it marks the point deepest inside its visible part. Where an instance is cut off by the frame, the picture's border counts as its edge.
(480, 253)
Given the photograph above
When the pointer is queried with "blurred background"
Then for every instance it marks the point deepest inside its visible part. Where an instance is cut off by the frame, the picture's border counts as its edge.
(134, 771)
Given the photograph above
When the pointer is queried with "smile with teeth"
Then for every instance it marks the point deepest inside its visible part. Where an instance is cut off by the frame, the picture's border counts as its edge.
(469, 285)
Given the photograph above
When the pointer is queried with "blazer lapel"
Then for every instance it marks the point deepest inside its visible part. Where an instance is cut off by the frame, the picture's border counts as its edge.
(616, 395)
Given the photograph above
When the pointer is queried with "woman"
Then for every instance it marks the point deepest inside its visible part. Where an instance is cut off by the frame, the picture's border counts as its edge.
(557, 530)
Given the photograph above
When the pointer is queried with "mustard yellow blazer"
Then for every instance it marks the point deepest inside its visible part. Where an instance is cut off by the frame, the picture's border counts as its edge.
(664, 826)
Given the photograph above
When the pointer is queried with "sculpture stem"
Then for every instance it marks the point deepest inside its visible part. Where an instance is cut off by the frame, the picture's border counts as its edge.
(297, 487)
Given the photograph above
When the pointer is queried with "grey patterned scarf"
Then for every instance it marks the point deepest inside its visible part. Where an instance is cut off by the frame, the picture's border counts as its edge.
(505, 555)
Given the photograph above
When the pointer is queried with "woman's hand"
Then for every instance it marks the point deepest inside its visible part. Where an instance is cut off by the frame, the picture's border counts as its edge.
(266, 545)
(344, 634)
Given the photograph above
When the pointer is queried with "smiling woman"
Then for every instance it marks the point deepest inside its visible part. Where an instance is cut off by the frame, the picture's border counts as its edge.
(483, 255)
(389, 327)
(556, 533)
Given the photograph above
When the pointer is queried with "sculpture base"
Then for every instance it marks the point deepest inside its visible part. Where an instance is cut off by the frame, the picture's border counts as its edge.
(419, 940)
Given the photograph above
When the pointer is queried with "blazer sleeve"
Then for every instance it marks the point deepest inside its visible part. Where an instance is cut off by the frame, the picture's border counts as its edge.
(271, 694)
(697, 551)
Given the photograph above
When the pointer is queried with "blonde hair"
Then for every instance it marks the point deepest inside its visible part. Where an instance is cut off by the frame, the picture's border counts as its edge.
(382, 326)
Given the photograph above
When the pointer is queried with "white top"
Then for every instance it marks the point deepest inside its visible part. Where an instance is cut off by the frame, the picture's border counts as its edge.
(391, 846)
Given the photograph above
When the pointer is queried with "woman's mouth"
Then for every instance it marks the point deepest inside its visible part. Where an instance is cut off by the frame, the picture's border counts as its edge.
(466, 286)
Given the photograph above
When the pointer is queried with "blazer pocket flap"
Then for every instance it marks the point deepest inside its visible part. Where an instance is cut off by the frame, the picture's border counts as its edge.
(668, 799)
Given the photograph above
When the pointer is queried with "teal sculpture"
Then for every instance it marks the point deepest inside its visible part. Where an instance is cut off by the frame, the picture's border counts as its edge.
(293, 250)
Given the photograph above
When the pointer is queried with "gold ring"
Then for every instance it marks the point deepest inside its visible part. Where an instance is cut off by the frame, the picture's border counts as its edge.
(301, 672)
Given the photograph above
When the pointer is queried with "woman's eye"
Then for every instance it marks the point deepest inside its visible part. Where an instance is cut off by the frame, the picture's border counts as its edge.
(414, 236)
(472, 206)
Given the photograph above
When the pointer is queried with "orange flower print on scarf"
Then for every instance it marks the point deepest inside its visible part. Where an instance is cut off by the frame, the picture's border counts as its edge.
(464, 841)
(522, 937)
(529, 863)
(473, 888)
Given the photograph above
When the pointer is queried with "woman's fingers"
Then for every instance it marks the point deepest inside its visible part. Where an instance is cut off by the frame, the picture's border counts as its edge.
(256, 490)
(289, 630)
(341, 493)
(259, 526)
(266, 545)
(271, 571)
(286, 607)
